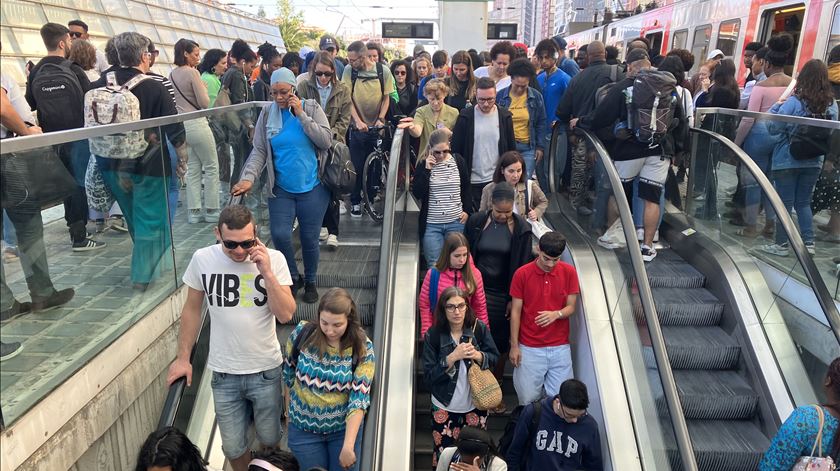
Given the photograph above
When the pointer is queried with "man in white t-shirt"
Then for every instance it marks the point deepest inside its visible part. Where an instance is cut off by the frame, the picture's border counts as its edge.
(246, 286)
(79, 30)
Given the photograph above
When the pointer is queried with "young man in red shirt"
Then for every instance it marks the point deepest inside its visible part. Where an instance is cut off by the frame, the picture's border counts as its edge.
(544, 294)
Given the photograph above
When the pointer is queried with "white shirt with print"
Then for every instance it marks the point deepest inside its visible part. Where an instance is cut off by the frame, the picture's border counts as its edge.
(243, 337)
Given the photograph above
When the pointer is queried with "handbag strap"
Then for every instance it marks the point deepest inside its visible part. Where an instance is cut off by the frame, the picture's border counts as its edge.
(818, 441)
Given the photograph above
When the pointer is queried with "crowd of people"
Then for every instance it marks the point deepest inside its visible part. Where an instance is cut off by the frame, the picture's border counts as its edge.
(496, 288)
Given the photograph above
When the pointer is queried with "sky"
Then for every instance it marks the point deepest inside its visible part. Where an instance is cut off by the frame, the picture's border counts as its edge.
(349, 16)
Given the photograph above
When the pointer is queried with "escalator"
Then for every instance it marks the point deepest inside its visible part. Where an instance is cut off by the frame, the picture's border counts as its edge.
(731, 361)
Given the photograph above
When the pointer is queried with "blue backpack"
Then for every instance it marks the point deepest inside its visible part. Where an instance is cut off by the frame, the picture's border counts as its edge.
(434, 280)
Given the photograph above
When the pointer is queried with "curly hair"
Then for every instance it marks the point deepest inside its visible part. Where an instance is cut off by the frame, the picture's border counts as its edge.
(813, 87)
(83, 53)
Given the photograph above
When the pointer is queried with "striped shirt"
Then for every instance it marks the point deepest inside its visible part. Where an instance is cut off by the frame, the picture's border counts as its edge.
(444, 193)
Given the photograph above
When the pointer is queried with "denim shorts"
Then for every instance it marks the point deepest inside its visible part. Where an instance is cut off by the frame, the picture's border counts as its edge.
(242, 399)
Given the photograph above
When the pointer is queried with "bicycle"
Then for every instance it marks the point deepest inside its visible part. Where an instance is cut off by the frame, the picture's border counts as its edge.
(375, 174)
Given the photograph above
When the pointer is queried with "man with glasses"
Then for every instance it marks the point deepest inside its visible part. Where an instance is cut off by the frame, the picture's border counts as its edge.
(481, 135)
(544, 294)
(79, 30)
(329, 44)
(247, 288)
(566, 437)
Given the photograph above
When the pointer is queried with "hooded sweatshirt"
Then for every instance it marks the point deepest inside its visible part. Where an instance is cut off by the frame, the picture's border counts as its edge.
(452, 277)
(556, 444)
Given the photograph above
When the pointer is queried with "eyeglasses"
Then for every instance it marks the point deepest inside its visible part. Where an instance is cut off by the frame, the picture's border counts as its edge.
(454, 307)
(330, 49)
(486, 100)
(399, 72)
(569, 415)
(245, 244)
(76, 34)
(440, 153)
(323, 74)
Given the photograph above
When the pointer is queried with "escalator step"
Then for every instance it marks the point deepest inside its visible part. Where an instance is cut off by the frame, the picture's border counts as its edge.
(671, 271)
(715, 395)
(727, 445)
(365, 299)
(680, 306)
(344, 280)
(701, 348)
(345, 253)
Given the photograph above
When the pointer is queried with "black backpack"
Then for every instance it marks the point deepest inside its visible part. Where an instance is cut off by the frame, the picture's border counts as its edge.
(510, 430)
(653, 105)
(59, 96)
(810, 142)
(380, 75)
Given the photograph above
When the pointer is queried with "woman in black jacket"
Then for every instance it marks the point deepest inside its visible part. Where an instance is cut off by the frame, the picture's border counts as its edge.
(450, 346)
(271, 61)
(442, 184)
(406, 90)
(500, 243)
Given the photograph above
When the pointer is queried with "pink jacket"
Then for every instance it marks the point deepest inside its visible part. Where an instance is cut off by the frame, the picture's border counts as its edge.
(477, 301)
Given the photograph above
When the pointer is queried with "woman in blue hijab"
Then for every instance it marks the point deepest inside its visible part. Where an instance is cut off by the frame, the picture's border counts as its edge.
(290, 137)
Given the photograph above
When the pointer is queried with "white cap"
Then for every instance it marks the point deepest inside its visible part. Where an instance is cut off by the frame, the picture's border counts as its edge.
(715, 53)
(304, 51)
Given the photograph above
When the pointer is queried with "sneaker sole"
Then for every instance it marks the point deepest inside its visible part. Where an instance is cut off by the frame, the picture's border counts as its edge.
(89, 248)
(648, 258)
(355, 215)
(13, 354)
(332, 246)
(119, 228)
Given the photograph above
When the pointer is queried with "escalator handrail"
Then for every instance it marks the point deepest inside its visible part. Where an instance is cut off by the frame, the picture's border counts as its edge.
(666, 374)
(783, 217)
(372, 440)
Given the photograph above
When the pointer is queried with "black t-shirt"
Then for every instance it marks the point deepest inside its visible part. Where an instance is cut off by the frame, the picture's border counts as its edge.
(492, 256)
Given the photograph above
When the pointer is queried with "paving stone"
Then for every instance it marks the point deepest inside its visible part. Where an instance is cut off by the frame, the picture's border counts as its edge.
(89, 289)
(7, 380)
(68, 329)
(89, 315)
(48, 345)
(23, 363)
(24, 327)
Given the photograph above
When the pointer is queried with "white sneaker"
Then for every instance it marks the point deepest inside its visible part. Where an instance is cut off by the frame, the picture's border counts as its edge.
(613, 238)
(323, 235)
(780, 250)
(342, 209)
(332, 241)
(648, 253)
(640, 235)
(195, 216)
(294, 225)
(356, 211)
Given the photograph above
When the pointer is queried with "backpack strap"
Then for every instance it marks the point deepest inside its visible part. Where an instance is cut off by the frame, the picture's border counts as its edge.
(305, 332)
(818, 443)
(380, 75)
(527, 196)
(434, 280)
(613, 73)
(535, 420)
(111, 80)
(134, 81)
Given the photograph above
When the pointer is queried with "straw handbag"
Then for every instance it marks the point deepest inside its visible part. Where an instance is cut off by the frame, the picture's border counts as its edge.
(485, 390)
(812, 462)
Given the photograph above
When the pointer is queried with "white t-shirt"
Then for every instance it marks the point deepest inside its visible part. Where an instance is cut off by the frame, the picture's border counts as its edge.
(461, 402)
(498, 464)
(485, 72)
(243, 338)
(485, 145)
(17, 99)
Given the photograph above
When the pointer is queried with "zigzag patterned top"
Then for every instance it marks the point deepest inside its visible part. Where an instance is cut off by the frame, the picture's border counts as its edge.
(325, 391)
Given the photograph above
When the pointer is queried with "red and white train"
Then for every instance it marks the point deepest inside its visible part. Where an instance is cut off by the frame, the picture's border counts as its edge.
(704, 25)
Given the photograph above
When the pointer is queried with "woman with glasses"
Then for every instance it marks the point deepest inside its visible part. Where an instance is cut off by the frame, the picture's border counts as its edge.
(291, 136)
(442, 184)
(406, 90)
(500, 242)
(457, 342)
(435, 115)
(474, 450)
(323, 86)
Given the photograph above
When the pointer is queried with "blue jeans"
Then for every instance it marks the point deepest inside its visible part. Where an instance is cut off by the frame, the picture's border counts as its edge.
(433, 239)
(795, 187)
(9, 236)
(309, 208)
(239, 399)
(174, 181)
(759, 145)
(541, 369)
(322, 450)
(361, 145)
(528, 153)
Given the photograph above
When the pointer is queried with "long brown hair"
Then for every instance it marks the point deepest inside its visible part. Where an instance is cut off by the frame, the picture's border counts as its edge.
(453, 241)
(813, 87)
(507, 159)
(462, 57)
(338, 301)
(323, 58)
(440, 310)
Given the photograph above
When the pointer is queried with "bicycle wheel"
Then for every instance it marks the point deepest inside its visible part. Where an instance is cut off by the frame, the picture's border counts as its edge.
(373, 185)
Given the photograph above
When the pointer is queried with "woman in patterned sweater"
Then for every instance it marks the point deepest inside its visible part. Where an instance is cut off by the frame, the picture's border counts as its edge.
(328, 369)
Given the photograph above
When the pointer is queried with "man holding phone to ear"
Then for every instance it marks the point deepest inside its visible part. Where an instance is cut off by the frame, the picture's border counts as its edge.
(246, 286)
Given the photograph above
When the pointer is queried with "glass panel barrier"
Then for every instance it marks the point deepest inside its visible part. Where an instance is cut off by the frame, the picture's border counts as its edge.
(643, 379)
(732, 203)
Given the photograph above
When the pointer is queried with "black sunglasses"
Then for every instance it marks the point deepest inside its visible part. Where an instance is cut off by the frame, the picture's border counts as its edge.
(323, 74)
(75, 34)
(245, 244)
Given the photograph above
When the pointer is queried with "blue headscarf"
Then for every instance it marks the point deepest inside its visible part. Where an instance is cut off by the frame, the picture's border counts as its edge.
(274, 123)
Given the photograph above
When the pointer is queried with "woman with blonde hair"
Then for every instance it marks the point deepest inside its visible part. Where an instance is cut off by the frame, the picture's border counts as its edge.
(435, 115)
(422, 67)
(442, 184)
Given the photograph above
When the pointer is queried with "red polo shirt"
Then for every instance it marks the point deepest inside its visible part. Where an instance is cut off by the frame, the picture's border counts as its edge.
(541, 291)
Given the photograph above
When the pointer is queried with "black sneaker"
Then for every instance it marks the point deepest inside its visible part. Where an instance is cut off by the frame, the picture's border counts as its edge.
(648, 253)
(54, 300)
(9, 350)
(297, 284)
(356, 211)
(87, 245)
(310, 294)
(16, 310)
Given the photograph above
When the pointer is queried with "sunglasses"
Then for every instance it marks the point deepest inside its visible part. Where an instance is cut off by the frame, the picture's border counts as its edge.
(323, 74)
(245, 244)
(440, 153)
(75, 34)
(399, 72)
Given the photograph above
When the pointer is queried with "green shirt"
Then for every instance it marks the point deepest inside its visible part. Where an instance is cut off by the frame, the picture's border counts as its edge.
(427, 119)
(213, 86)
(367, 96)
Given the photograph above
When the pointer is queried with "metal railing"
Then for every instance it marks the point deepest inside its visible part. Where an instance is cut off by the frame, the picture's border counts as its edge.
(781, 118)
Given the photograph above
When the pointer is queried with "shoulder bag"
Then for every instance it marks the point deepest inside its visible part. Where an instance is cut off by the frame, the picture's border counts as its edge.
(816, 462)
(484, 388)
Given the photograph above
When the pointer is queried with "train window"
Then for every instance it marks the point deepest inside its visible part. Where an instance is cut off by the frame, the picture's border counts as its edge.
(680, 37)
(612, 32)
(834, 34)
(787, 19)
(728, 37)
(700, 45)
(655, 42)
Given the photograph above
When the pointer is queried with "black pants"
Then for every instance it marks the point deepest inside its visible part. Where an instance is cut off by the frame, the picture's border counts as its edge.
(29, 228)
(75, 156)
(332, 215)
(476, 189)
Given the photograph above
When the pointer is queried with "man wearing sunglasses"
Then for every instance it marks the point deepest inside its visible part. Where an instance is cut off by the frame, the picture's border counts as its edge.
(564, 437)
(247, 288)
(79, 30)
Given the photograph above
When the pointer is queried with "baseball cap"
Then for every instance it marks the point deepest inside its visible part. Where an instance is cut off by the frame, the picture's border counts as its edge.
(418, 49)
(327, 42)
(560, 42)
(715, 53)
(637, 55)
(304, 51)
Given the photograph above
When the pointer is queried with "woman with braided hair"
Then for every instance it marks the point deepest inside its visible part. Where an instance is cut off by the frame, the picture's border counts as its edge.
(797, 435)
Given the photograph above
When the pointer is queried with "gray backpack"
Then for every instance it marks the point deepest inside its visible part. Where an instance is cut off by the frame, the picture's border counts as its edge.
(652, 106)
(114, 104)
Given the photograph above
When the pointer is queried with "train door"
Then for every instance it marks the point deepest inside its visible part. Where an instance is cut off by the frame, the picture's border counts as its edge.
(784, 19)
(655, 42)
(679, 39)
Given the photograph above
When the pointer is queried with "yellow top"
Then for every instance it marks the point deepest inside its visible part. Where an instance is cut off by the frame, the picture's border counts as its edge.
(521, 119)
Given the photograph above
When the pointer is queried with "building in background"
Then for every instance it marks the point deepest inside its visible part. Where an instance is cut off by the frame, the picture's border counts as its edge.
(210, 24)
